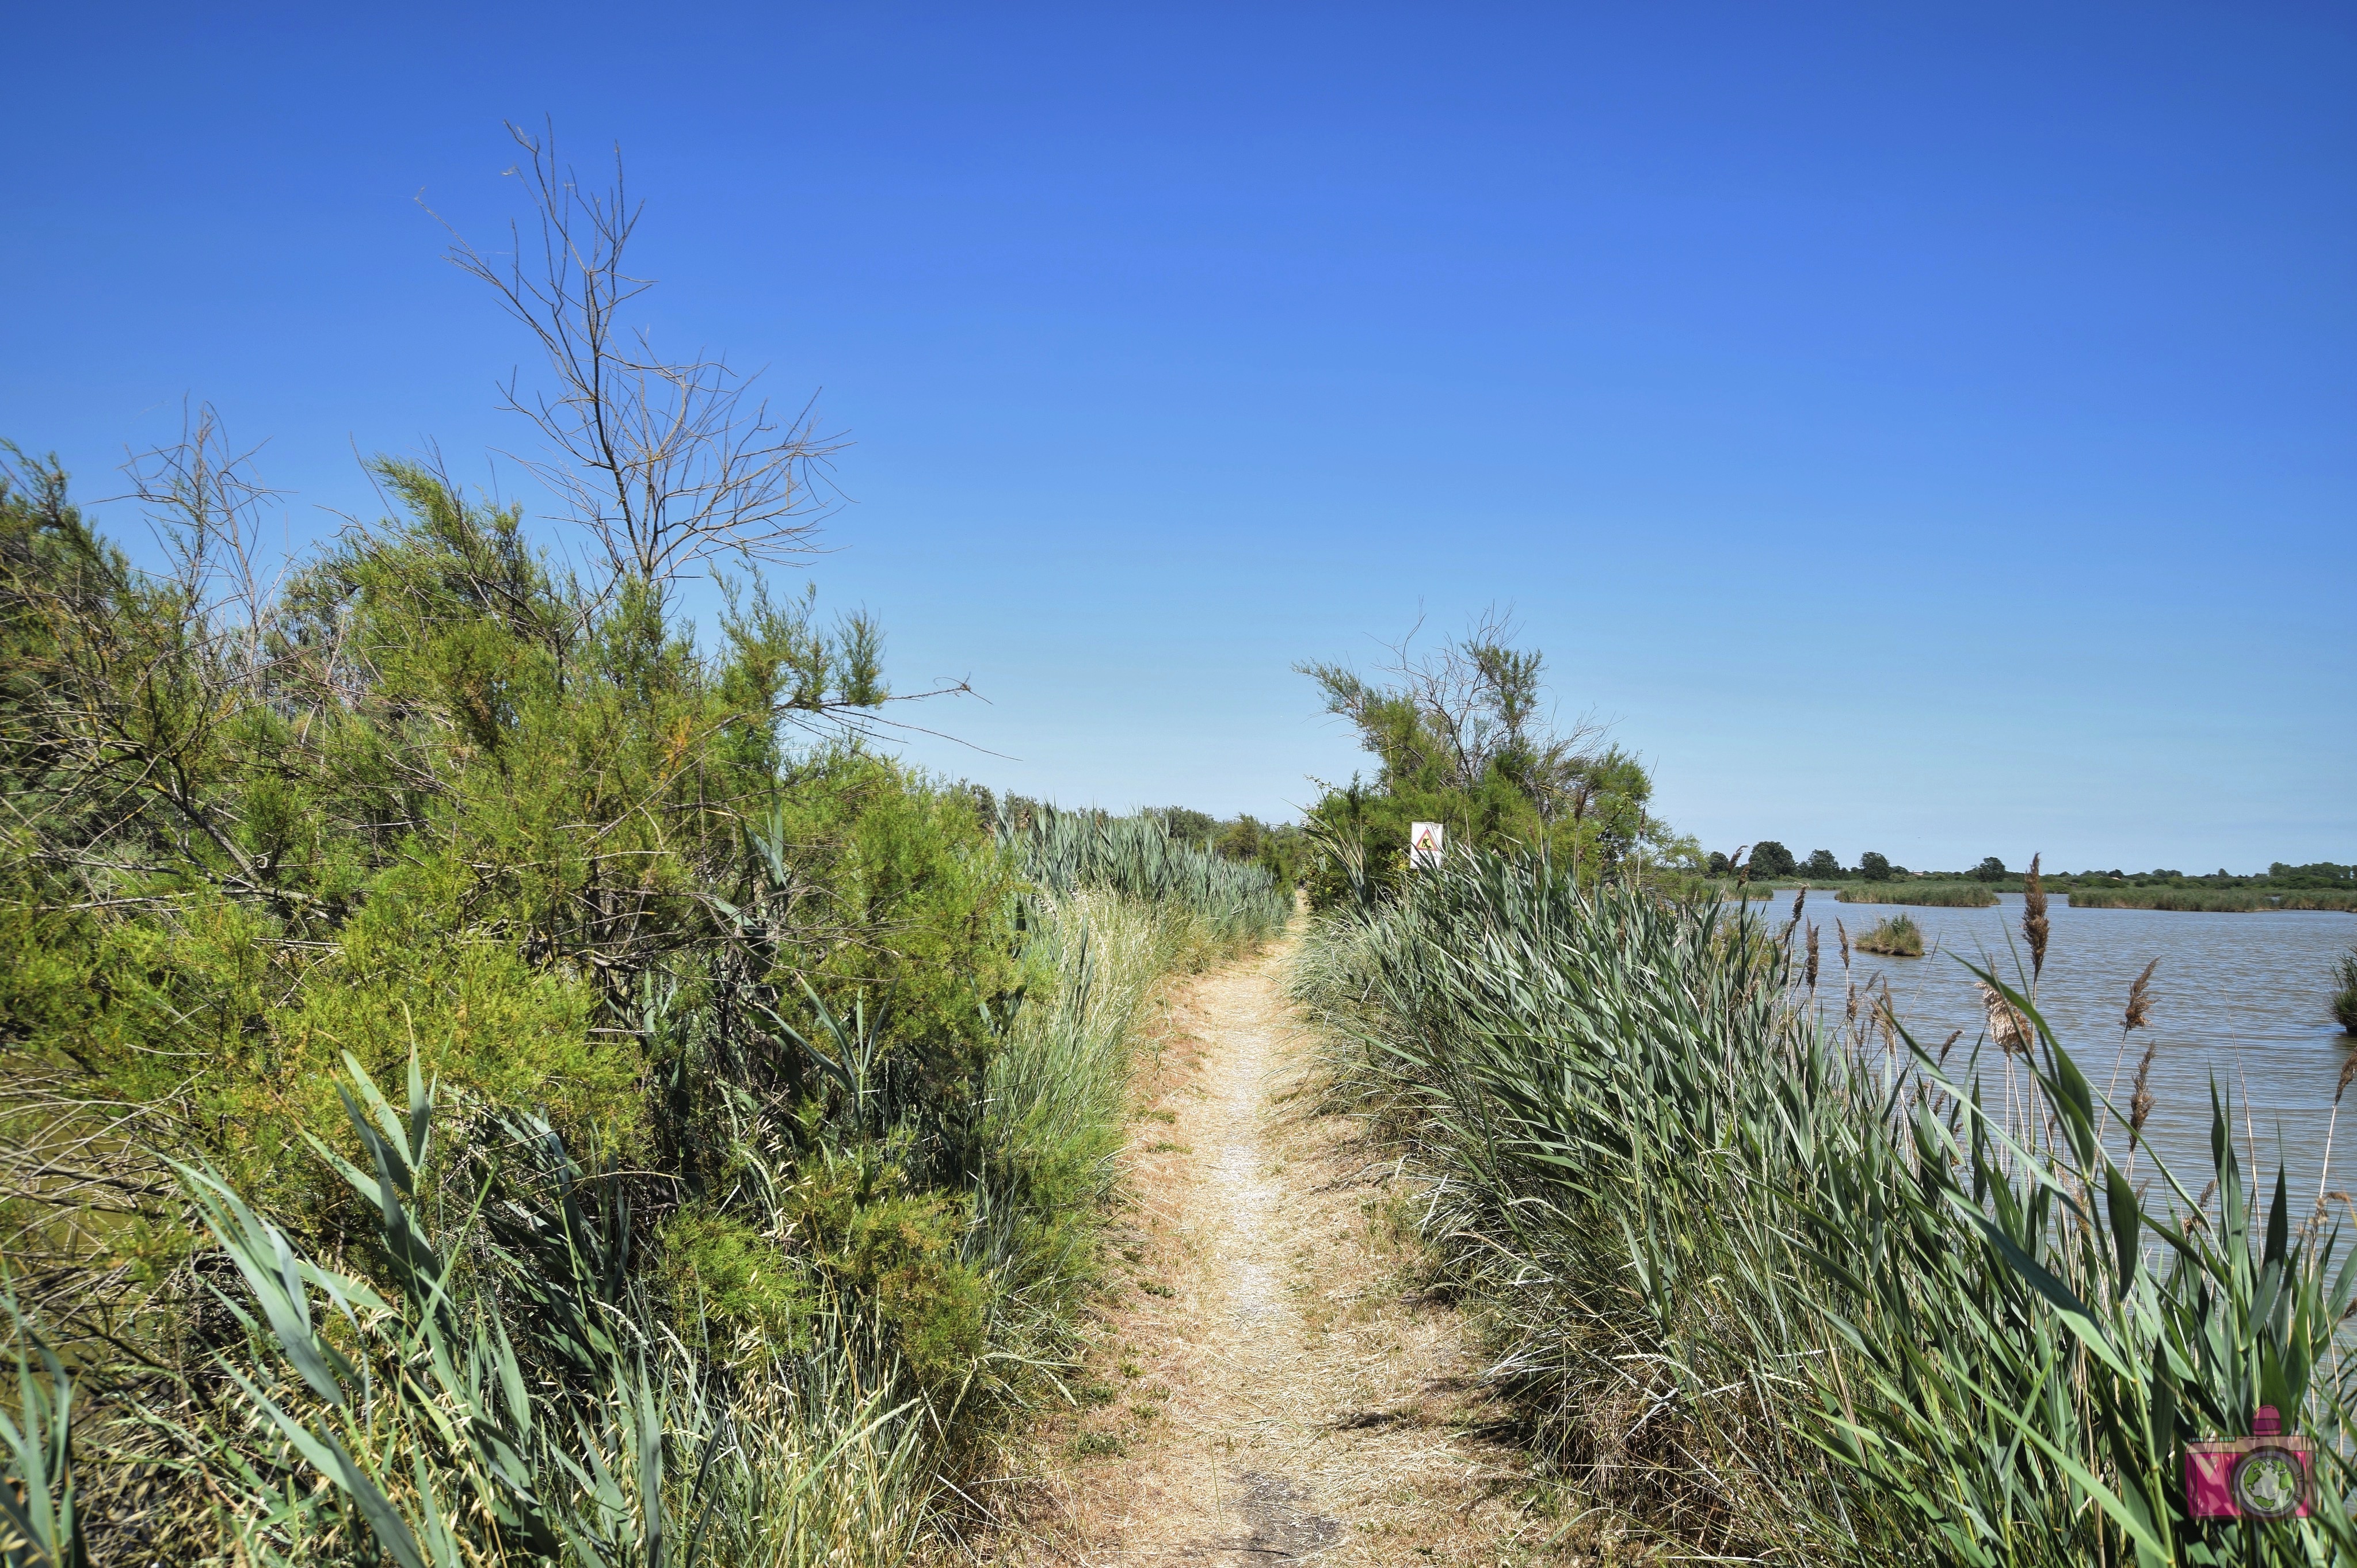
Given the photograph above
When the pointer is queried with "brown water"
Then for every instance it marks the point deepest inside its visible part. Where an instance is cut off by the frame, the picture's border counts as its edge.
(2243, 997)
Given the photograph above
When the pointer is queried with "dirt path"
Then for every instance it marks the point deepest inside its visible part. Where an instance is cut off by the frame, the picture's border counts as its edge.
(1276, 1386)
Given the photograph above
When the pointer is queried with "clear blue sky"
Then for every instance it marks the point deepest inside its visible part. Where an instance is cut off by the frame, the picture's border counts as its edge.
(1923, 429)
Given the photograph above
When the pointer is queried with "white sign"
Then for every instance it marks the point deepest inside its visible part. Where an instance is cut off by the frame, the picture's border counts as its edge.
(1425, 841)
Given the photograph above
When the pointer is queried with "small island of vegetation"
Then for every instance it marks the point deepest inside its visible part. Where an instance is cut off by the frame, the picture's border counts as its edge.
(1893, 936)
(1941, 895)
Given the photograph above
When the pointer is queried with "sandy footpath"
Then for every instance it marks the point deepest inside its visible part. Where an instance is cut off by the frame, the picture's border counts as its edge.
(1273, 1384)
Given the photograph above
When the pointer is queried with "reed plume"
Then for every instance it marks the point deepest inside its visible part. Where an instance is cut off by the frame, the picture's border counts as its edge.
(2034, 927)
(1813, 962)
(2140, 1102)
(2008, 1026)
(1843, 931)
(2140, 1008)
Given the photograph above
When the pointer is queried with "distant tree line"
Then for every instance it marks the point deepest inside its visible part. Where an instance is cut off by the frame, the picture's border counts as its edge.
(1768, 860)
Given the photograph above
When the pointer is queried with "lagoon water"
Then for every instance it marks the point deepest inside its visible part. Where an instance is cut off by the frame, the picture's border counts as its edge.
(2246, 997)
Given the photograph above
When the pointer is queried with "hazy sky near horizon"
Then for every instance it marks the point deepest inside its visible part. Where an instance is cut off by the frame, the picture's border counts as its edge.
(1922, 429)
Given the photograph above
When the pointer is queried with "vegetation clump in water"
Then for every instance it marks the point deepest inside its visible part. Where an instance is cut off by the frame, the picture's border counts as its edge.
(1894, 935)
(2212, 900)
(1924, 895)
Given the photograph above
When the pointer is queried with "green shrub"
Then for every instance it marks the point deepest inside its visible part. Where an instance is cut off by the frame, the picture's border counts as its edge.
(742, 1288)
(856, 1061)
(1460, 739)
(884, 1242)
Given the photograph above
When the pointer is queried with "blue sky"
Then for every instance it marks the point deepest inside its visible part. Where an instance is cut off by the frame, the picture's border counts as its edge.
(1922, 429)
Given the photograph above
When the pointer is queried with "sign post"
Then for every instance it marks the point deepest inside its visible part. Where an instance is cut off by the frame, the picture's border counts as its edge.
(1424, 842)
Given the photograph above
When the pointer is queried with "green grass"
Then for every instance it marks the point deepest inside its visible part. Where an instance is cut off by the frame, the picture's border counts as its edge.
(2344, 991)
(2208, 899)
(1764, 1287)
(1923, 894)
(1894, 935)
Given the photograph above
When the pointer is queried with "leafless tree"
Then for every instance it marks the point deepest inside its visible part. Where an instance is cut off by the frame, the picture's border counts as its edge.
(666, 463)
(207, 506)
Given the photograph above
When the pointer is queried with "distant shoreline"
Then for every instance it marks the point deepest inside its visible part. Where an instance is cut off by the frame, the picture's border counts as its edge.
(1956, 893)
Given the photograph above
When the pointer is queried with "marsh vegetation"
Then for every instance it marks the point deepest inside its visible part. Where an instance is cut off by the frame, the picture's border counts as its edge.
(2220, 900)
(1895, 936)
(1937, 895)
(1768, 1285)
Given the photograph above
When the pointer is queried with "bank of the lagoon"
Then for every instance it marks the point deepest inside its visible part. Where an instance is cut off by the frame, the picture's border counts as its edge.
(2249, 999)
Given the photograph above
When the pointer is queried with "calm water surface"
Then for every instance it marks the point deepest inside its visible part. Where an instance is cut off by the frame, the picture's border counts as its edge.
(2246, 997)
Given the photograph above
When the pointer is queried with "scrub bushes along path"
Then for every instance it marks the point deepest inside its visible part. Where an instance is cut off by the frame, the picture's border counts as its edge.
(487, 1078)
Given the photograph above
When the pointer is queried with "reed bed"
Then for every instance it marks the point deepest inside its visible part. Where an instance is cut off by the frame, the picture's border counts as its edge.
(1767, 1288)
(2344, 991)
(1138, 856)
(1894, 935)
(2214, 900)
(1923, 894)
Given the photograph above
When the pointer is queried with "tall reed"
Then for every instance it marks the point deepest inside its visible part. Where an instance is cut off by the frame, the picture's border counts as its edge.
(2209, 900)
(1137, 855)
(1924, 895)
(1771, 1287)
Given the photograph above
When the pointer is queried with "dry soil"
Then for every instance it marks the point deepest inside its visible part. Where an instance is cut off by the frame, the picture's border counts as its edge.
(1271, 1383)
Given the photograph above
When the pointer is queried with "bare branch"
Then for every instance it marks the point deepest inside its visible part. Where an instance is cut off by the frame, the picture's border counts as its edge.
(668, 464)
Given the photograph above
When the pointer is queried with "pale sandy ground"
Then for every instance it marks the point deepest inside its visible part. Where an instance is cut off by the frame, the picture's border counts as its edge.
(1294, 1394)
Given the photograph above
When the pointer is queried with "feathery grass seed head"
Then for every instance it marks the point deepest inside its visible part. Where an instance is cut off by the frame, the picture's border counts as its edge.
(2140, 1008)
(2034, 926)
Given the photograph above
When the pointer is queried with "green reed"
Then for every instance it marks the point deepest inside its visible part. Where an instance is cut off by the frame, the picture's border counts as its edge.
(1895, 936)
(1136, 855)
(2216, 900)
(1768, 1287)
(1923, 894)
